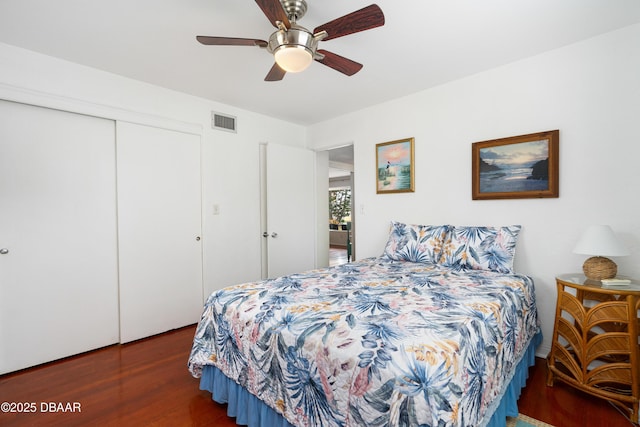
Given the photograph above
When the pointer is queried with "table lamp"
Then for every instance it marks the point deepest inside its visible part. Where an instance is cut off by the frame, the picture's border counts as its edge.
(599, 241)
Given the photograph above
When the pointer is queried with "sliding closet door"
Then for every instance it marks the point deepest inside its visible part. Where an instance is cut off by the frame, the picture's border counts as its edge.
(159, 226)
(58, 257)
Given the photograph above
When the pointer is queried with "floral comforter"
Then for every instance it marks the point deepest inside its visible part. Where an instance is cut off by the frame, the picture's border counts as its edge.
(375, 342)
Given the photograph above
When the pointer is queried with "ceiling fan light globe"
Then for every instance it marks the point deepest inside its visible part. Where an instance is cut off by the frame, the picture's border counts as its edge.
(293, 59)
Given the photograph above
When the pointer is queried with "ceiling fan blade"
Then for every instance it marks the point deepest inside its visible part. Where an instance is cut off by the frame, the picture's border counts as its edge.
(360, 20)
(275, 74)
(339, 63)
(230, 41)
(274, 12)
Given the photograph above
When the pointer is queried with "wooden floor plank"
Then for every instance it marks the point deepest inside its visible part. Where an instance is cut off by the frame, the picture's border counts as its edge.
(146, 383)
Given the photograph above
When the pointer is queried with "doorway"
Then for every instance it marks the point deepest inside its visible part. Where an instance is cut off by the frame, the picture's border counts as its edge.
(341, 202)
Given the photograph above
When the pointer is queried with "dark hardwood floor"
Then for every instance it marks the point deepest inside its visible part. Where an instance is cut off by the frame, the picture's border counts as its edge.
(146, 383)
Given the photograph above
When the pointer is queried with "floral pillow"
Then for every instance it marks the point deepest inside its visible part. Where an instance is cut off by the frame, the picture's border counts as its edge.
(481, 248)
(416, 243)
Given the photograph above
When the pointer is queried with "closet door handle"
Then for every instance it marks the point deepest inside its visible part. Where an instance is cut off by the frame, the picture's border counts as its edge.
(4, 251)
(274, 235)
(265, 234)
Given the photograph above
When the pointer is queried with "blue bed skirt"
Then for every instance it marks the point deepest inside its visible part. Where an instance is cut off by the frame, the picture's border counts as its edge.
(250, 411)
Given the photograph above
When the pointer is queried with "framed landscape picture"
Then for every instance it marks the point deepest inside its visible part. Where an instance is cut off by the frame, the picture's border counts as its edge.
(517, 167)
(394, 166)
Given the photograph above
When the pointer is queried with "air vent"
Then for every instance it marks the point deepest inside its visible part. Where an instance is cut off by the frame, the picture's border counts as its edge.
(223, 122)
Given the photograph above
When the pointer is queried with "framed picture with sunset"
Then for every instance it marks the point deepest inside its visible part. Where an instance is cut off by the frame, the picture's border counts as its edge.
(517, 167)
(394, 166)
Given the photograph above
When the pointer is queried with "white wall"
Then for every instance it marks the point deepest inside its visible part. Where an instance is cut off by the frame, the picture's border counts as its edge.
(590, 91)
(230, 161)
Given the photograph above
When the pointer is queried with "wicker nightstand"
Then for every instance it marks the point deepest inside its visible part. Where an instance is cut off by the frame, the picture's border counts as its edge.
(595, 340)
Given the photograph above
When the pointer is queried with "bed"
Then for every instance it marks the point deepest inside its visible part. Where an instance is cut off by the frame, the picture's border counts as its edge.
(437, 331)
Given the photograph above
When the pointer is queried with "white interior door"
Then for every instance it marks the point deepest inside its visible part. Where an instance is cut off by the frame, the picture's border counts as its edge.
(58, 269)
(159, 228)
(290, 209)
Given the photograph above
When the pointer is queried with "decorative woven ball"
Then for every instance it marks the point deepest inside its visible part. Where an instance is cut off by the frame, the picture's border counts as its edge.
(598, 268)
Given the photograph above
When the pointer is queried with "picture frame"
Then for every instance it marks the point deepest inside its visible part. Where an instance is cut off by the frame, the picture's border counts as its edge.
(518, 167)
(395, 166)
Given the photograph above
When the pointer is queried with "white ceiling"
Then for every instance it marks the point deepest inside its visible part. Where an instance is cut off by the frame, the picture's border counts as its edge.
(423, 43)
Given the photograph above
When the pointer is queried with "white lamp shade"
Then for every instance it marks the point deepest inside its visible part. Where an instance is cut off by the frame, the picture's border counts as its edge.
(600, 240)
(293, 59)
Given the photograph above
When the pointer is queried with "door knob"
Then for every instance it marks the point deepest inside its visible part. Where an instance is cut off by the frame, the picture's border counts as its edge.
(265, 234)
(274, 235)
(4, 251)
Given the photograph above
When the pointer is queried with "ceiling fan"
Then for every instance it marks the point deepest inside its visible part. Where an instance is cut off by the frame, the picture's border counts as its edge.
(294, 47)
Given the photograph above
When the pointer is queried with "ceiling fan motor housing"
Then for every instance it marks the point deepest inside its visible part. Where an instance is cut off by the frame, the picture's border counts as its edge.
(294, 36)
